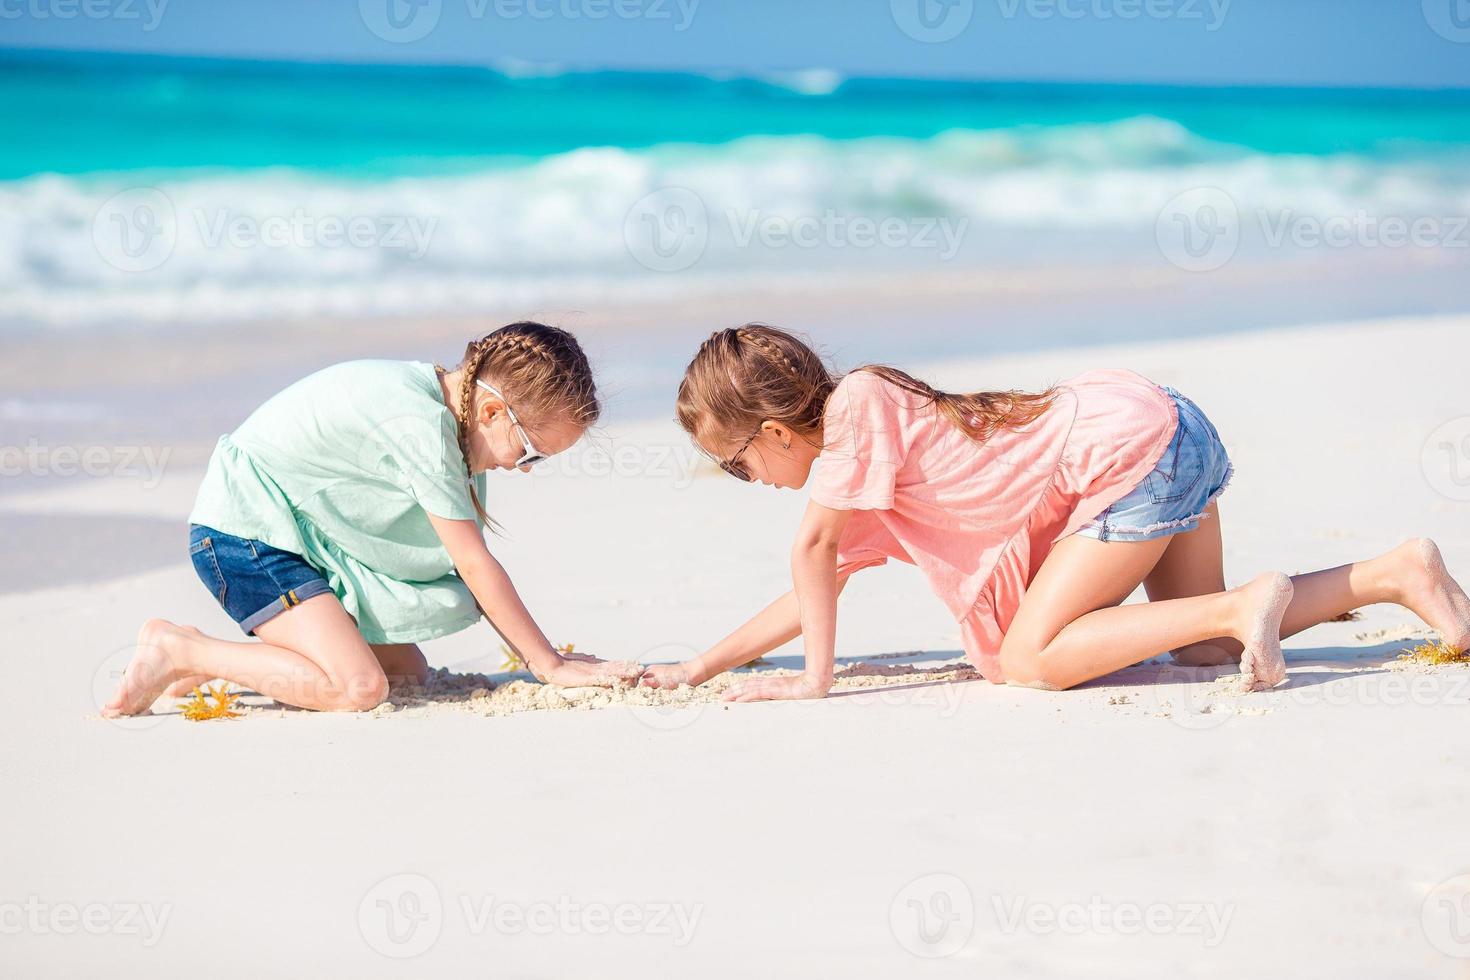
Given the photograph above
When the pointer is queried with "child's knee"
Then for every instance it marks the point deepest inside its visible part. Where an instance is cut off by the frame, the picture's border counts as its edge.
(364, 690)
(417, 664)
(1021, 666)
(404, 663)
(418, 672)
(1025, 664)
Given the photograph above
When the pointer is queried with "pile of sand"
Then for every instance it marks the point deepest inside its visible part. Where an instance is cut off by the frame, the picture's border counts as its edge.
(480, 694)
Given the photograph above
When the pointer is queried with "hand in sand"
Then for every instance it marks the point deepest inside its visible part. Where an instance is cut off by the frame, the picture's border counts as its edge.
(580, 670)
(797, 688)
(665, 676)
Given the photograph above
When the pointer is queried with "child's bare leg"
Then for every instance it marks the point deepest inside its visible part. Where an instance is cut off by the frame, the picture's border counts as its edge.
(404, 663)
(1193, 564)
(1070, 628)
(1412, 575)
(184, 686)
(311, 656)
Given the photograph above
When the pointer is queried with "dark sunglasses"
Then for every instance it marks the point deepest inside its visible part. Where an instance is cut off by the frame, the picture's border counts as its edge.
(734, 467)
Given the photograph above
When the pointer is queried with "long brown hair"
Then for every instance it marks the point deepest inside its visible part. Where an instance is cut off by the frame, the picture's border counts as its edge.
(542, 370)
(744, 376)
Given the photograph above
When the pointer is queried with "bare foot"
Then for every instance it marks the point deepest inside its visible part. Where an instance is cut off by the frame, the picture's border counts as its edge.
(154, 668)
(1426, 587)
(1266, 598)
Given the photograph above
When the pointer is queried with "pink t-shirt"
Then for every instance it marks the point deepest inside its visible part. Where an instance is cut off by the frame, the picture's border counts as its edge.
(979, 518)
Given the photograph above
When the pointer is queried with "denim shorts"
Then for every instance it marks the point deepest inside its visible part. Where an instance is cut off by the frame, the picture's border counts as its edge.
(251, 580)
(1193, 471)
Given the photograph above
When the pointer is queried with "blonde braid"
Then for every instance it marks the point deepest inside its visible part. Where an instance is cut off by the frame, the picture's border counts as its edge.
(769, 348)
(743, 376)
(746, 375)
(542, 369)
(470, 369)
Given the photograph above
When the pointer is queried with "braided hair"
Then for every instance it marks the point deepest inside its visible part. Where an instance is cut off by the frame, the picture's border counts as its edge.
(744, 376)
(541, 369)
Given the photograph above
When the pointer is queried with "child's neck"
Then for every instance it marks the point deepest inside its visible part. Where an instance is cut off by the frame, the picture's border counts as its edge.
(449, 382)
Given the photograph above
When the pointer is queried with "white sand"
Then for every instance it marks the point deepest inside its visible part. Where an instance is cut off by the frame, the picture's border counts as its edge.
(1157, 820)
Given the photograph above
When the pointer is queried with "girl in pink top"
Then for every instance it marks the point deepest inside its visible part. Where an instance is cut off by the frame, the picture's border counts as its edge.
(1032, 515)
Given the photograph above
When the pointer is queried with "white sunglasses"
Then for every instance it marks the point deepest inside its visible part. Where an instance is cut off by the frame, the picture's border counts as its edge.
(532, 455)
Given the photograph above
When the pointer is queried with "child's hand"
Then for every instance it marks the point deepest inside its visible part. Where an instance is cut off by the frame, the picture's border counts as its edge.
(795, 688)
(580, 670)
(665, 676)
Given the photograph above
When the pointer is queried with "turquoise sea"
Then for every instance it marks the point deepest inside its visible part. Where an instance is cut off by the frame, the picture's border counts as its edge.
(154, 190)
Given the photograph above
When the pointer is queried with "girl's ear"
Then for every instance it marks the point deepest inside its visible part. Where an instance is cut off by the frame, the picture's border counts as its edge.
(489, 408)
(782, 433)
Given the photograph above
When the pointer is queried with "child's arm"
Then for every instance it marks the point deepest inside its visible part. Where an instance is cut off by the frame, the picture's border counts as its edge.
(814, 573)
(502, 605)
(777, 624)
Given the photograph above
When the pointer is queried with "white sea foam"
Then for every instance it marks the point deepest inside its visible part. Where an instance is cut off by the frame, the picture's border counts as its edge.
(809, 81)
(229, 245)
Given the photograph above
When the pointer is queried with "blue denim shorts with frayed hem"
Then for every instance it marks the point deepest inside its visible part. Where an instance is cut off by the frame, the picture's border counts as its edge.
(1193, 471)
(251, 580)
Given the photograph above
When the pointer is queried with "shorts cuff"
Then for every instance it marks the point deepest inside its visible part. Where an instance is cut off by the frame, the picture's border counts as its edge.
(292, 598)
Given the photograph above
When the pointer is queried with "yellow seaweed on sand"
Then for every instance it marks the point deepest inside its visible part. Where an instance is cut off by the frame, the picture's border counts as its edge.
(198, 708)
(1435, 653)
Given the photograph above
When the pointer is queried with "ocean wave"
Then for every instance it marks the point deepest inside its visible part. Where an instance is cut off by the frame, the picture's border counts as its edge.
(808, 81)
(227, 245)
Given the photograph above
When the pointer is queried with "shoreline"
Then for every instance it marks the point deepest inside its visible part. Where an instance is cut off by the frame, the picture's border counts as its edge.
(640, 344)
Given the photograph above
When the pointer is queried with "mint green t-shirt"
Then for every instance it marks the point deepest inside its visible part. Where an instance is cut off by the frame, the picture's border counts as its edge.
(343, 468)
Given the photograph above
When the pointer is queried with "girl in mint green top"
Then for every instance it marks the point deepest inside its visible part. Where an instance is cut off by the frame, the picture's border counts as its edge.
(342, 522)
